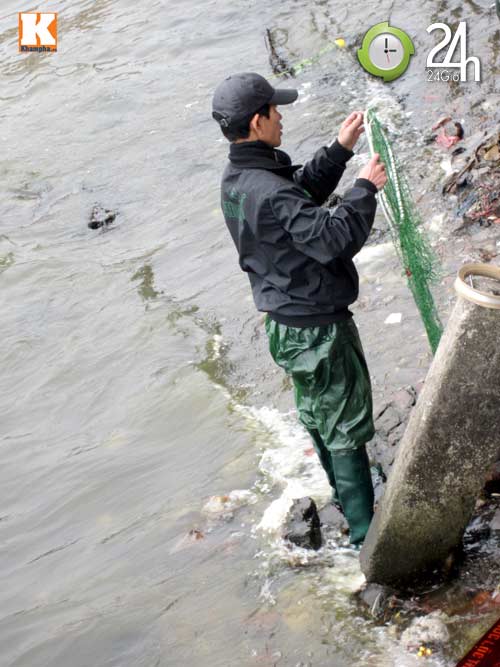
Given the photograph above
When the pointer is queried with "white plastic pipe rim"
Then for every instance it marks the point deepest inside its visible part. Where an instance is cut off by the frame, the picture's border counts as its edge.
(464, 287)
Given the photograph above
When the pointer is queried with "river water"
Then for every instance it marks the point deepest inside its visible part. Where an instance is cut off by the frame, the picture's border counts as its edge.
(149, 448)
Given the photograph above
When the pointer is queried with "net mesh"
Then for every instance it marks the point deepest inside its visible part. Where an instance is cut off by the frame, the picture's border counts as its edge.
(414, 251)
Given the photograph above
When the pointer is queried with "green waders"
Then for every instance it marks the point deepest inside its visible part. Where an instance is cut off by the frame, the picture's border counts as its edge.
(334, 403)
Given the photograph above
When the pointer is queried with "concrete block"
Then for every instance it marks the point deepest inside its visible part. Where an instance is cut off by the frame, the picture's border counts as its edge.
(452, 439)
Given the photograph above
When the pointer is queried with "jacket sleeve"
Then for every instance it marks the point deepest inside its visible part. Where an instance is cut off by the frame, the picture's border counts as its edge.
(325, 235)
(321, 175)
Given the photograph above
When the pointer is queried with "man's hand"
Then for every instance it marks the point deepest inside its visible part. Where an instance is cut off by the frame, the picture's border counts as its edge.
(374, 171)
(351, 129)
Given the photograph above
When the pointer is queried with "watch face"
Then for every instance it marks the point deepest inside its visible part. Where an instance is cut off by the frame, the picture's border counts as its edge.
(386, 51)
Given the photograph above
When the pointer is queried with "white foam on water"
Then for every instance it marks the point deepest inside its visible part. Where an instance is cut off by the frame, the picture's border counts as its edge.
(286, 463)
(227, 504)
(389, 111)
(216, 346)
(303, 96)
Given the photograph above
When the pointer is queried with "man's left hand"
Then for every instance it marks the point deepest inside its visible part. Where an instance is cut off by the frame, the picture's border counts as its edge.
(351, 129)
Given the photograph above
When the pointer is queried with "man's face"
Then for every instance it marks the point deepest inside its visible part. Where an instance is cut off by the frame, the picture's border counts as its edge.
(270, 129)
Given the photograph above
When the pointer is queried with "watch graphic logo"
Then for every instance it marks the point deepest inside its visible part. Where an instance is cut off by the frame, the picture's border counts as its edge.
(459, 39)
(37, 31)
(386, 51)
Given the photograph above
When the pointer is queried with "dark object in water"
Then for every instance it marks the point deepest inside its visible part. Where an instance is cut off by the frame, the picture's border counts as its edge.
(278, 64)
(101, 216)
(303, 526)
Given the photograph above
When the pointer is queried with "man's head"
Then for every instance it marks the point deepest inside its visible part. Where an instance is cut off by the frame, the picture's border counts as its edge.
(245, 104)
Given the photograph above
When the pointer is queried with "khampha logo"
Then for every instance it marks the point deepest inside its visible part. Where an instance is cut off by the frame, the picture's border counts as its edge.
(37, 31)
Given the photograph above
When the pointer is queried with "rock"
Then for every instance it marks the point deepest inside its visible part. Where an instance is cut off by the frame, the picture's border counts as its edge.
(303, 527)
(404, 399)
(388, 421)
(379, 479)
(396, 435)
(332, 519)
(386, 459)
(376, 598)
(391, 417)
(477, 530)
(495, 522)
(101, 216)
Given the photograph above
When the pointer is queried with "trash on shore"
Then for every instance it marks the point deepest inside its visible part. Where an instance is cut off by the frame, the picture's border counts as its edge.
(443, 138)
(428, 631)
(480, 159)
(475, 180)
(393, 318)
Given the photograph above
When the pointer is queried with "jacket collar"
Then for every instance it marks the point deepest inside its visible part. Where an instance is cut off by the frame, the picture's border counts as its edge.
(259, 155)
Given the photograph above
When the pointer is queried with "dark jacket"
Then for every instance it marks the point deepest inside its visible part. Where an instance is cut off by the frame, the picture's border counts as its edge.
(297, 254)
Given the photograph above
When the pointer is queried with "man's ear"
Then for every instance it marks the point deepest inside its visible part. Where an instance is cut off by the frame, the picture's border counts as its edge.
(255, 123)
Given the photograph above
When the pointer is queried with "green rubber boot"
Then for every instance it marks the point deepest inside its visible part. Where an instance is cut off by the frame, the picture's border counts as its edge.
(326, 461)
(355, 490)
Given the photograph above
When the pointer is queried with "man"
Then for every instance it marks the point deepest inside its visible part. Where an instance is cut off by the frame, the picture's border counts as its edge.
(298, 257)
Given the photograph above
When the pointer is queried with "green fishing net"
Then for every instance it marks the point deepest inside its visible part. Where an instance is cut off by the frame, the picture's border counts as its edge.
(415, 253)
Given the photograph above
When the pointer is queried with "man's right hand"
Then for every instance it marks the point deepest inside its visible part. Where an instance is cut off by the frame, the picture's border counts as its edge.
(374, 171)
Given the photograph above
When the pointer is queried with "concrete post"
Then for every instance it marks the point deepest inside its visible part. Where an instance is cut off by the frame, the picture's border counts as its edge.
(452, 438)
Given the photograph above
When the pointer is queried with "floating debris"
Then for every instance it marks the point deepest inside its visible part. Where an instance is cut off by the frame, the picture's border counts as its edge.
(186, 541)
(273, 40)
(100, 216)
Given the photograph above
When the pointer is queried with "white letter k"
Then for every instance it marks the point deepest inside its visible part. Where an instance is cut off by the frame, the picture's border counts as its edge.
(31, 29)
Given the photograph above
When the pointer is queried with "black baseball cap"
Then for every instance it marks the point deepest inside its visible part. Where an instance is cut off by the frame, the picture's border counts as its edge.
(241, 95)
